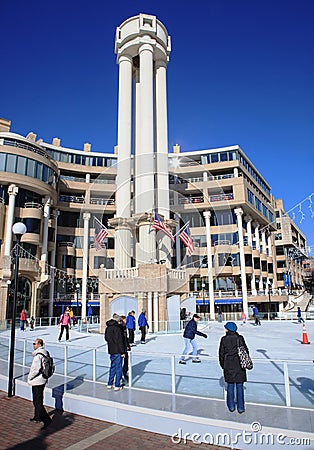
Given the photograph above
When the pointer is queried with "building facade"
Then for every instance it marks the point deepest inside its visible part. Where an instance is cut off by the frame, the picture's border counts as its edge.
(239, 258)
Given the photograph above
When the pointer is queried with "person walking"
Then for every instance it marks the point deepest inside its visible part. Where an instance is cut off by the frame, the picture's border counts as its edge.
(114, 336)
(127, 347)
(299, 315)
(189, 339)
(256, 316)
(142, 323)
(38, 383)
(23, 318)
(131, 326)
(229, 361)
(65, 323)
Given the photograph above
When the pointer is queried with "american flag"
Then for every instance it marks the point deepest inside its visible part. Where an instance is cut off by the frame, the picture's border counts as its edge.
(186, 238)
(100, 234)
(160, 225)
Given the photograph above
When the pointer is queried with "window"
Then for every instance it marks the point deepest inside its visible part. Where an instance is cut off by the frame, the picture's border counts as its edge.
(2, 162)
(32, 225)
(204, 159)
(257, 263)
(98, 260)
(214, 157)
(223, 156)
(258, 204)
(281, 264)
(21, 165)
(67, 262)
(11, 163)
(79, 263)
(31, 168)
(264, 266)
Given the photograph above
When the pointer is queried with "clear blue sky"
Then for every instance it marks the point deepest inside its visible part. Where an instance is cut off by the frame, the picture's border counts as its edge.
(241, 72)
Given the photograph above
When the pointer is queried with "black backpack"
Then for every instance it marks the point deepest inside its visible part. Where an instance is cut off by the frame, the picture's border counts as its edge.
(47, 365)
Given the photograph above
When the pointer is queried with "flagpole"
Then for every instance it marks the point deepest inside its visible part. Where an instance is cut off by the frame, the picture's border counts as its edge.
(102, 225)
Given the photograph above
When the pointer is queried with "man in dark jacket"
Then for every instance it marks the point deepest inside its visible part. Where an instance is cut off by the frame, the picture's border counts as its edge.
(229, 361)
(114, 336)
(189, 339)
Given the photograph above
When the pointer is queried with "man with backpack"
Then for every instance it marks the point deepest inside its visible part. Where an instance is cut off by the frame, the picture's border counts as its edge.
(41, 370)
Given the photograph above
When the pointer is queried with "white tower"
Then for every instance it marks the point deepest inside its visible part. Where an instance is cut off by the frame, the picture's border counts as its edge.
(142, 46)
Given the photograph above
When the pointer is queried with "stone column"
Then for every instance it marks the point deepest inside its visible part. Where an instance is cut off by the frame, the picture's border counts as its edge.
(248, 220)
(123, 180)
(156, 312)
(53, 264)
(264, 240)
(12, 191)
(270, 252)
(44, 250)
(144, 177)
(239, 212)
(253, 282)
(162, 155)
(162, 304)
(150, 311)
(256, 231)
(207, 215)
(86, 218)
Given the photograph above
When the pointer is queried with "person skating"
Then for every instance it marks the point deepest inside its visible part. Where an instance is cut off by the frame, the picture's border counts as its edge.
(65, 323)
(189, 339)
(229, 361)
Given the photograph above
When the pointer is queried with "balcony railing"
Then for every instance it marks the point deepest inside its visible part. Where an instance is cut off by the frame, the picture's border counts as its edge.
(71, 199)
(18, 144)
(66, 244)
(102, 201)
(221, 197)
(33, 205)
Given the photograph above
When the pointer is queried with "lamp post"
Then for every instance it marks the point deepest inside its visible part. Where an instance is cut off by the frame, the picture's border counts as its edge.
(203, 291)
(269, 301)
(8, 294)
(18, 229)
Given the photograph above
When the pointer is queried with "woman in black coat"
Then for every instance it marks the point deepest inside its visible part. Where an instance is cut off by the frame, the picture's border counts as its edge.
(229, 361)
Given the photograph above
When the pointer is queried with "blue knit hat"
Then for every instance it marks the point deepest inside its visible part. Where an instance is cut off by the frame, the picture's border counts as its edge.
(231, 326)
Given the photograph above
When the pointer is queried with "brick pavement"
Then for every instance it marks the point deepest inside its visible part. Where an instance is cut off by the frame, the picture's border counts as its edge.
(73, 432)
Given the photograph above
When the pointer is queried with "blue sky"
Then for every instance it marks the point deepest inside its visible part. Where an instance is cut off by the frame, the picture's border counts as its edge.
(240, 72)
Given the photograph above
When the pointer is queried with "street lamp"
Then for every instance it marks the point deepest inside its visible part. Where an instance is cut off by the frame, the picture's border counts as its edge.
(18, 229)
(269, 301)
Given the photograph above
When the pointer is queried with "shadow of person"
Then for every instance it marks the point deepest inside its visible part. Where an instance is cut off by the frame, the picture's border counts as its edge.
(58, 392)
(139, 369)
(39, 442)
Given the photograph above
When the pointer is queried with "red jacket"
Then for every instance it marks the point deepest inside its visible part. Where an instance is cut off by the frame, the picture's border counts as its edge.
(23, 315)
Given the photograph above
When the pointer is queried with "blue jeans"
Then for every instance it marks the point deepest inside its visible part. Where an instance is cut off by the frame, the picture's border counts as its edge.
(115, 372)
(189, 342)
(240, 397)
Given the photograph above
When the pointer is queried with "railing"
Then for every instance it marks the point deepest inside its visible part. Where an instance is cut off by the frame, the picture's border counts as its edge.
(174, 274)
(70, 178)
(66, 244)
(102, 201)
(33, 205)
(113, 274)
(103, 181)
(18, 144)
(221, 197)
(71, 199)
(272, 382)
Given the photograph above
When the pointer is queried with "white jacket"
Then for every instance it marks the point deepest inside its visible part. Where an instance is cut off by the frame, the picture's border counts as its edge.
(35, 378)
